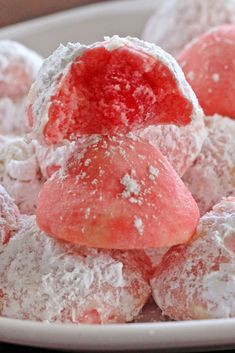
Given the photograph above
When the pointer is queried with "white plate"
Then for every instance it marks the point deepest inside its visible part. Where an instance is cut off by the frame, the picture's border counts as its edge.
(89, 24)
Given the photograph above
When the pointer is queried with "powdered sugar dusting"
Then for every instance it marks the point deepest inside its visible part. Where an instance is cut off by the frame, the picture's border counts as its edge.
(60, 282)
(21, 174)
(51, 158)
(180, 145)
(215, 77)
(212, 176)
(131, 186)
(153, 172)
(197, 280)
(59, 63)
(138, 223)
(185, 21)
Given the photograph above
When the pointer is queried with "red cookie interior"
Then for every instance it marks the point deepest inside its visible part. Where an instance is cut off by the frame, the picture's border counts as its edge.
(114, 92)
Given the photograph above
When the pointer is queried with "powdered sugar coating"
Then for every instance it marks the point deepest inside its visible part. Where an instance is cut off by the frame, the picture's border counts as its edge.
(177, 22)
(197, 281)
(50, 159)
(4, 141)
(212, 176)
(18, 69)
(59, 63)
(180, 145)
(46, 280)
(9, 217)
(21, 175)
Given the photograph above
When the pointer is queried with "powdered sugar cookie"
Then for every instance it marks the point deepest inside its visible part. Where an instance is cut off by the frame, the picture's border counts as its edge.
(121, 194)
(212, 176)
(124, 83)
(60, 282)
(177, 22)
(18, 69)
(51, 159)
(208, 64)
(196, 281)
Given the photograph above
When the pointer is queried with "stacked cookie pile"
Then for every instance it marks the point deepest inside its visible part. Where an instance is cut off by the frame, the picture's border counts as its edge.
(93, 157)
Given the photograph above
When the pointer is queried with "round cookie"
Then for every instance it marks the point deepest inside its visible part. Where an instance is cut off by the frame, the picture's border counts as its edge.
(212, 176)
(120, 194)
(177, 22)
(110, 87)
(196, 281)
(208, 64)
(64, 283)
(18, 69)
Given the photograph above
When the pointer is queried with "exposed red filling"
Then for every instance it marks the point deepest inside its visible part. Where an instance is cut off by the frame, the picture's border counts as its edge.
(114, 92)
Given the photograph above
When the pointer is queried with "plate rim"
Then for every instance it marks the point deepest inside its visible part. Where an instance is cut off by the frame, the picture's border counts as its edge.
(197, 333)
(81, 11)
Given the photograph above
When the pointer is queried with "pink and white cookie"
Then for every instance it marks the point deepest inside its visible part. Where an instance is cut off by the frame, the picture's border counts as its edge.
(65, 283)
(18, 69)
(177, 22)
(212, 176)
(110, 87)
(121, 193)
(208, 64)
(196, 280)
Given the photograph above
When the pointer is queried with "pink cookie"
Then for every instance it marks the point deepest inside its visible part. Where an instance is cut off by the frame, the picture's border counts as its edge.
(18, 69)
(196, 281)
(180, 145)
(9, 217)
(212, 176)
(110, 87)
(208, 63)
(21, 175)
(176, 22)
(46, 280)
(122, 194)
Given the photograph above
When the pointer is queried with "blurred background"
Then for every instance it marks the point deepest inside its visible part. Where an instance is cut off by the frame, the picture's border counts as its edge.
(80, 23)
(13, 11)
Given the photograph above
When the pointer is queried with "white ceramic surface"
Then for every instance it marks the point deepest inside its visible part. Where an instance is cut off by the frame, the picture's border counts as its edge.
(89, 24)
